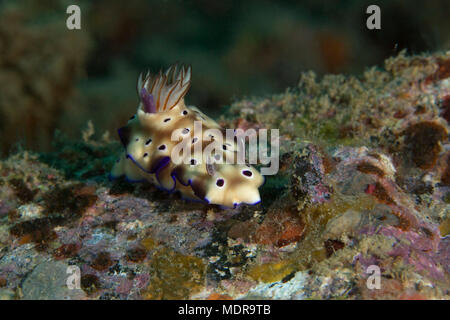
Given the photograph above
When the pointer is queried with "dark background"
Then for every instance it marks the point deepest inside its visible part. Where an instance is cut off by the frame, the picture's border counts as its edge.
(52, 78)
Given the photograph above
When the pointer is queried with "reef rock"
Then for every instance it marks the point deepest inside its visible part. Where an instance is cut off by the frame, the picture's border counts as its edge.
(363, 184)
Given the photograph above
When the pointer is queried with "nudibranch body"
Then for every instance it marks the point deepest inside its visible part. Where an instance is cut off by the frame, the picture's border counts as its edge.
(163, 127)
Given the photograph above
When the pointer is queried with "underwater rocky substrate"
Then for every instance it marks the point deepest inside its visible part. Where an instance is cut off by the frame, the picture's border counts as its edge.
(364, 181)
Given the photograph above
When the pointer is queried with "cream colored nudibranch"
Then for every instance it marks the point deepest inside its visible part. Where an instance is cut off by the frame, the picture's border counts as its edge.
(148, 146)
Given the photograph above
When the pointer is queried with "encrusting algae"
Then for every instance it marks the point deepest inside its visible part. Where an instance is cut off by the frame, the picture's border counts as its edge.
(363, 181)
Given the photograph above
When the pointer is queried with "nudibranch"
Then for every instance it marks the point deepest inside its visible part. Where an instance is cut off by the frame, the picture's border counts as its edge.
(148, 139)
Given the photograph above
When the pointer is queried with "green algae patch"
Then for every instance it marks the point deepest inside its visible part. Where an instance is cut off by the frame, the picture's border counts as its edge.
(149, 243)
(271, 272)
(82, 159)
(175, 276)
(313, 247)
(444, 227)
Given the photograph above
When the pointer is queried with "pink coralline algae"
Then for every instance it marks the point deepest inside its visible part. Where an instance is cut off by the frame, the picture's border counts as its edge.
(363, 182)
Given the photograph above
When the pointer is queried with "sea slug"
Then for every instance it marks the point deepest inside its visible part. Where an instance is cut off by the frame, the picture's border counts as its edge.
(163, 127)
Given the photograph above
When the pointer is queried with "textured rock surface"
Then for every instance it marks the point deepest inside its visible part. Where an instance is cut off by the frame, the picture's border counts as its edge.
(363, 181)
